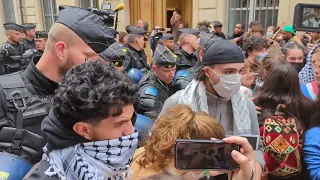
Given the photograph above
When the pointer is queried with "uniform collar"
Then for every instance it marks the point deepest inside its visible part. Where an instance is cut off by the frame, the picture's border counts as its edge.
(187, 55)
(132, 48)
(15, 45)
(41, 84)
(165, 85)
(30, 42)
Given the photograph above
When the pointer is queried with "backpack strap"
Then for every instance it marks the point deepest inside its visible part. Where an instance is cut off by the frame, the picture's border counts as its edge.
(14, 89)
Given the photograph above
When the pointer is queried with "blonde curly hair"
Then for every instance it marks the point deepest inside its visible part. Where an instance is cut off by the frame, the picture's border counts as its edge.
(178, 122)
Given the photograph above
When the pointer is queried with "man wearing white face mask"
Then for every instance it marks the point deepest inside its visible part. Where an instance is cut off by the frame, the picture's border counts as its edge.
(216, 90)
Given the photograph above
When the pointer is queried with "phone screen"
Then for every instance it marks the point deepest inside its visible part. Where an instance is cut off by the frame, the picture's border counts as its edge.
(199, 155)
(253, 140)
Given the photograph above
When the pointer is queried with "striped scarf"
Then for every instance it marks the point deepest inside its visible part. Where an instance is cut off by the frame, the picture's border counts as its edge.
(310, 90)
(99, 160)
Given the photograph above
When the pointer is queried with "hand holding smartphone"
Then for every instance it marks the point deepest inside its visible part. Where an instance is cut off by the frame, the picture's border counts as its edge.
(201, 155)
(205, 154)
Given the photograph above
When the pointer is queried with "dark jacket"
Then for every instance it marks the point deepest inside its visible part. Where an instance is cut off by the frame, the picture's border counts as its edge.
(34, 98)
(137, 59)
(10, 57)
(59, 136)
(185, 60)
(152, 94)
(28, 44)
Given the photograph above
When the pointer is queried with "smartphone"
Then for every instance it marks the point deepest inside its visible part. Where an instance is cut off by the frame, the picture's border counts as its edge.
(253, 140)
(204, 155)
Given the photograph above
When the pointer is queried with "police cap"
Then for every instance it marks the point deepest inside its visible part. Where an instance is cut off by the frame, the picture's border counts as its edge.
(217, 24)
(189, 31)
(167, 36)
(88, 26)
(164, 57)
(41, 34)
(13, 26)
(135, 30)
(28, 26)
(222, 52)
(208, 38)
(114, 54)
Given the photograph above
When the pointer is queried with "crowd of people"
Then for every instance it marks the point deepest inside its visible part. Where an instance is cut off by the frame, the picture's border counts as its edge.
(82, 102)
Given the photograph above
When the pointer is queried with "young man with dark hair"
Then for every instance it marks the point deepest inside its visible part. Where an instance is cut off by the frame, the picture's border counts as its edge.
(89, 130)
(217, 26)
(256, 49)
(25, 97)
(216, 91)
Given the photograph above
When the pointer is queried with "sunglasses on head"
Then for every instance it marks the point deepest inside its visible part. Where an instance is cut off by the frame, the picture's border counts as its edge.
(117, 63)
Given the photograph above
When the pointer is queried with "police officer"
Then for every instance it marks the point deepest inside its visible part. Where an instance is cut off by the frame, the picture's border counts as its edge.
(115, 54)
(156, 86)
(77, 36)
(167, 41)
(188, 41)
(134, 49)
(217, 25)
(184, 77)
(29, 30)
(11, 51)
(41, 41)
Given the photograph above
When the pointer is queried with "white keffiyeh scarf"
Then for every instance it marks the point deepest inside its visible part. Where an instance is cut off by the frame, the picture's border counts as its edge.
(306, 75)
(99, 160)
(195, 96)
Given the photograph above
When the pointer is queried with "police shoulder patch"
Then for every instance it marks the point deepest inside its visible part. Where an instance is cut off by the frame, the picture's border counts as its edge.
(151, 91)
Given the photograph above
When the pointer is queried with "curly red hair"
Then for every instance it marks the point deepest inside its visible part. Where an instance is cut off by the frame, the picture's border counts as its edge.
(179, 122)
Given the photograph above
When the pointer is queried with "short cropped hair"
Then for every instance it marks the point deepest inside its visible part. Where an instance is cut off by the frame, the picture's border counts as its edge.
(91, 92)
(132, 38)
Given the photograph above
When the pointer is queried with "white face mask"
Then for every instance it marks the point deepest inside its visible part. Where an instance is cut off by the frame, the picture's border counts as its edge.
(229, 84)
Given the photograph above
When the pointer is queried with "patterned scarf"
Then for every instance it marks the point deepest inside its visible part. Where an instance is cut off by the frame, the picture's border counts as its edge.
(97, 160)
(306, 75)
(195, 96)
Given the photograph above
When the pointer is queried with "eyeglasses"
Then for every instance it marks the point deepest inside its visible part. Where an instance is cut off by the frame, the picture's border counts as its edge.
(117, 63)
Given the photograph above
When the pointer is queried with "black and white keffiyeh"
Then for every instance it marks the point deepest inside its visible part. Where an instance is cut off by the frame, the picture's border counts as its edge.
(306, 75)
(99, 160)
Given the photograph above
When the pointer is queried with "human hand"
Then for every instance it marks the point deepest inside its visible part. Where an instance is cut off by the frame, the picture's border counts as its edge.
(282, 24)
(297, 40)
(245, 158)
(236, 39)
(174, 13)
(265, 174)
(309, 46)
